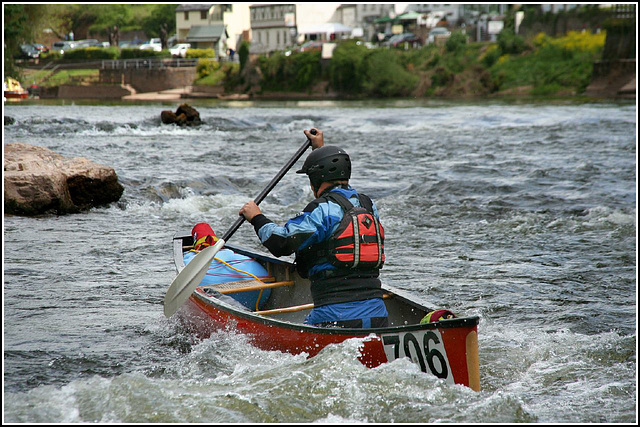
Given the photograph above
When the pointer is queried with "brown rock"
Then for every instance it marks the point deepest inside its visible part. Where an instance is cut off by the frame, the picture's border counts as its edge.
(168, 117)
(37, 181)
(185, 115)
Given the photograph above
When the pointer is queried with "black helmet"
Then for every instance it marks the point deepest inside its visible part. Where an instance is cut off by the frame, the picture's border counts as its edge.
(327, 163)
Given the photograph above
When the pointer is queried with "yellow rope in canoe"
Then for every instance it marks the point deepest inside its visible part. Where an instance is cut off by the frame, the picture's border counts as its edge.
(239, 271)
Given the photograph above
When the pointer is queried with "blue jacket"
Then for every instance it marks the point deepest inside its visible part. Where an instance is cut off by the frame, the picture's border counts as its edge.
(315, 224)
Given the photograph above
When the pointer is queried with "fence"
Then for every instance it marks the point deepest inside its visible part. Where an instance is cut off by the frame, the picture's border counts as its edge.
(148, 63)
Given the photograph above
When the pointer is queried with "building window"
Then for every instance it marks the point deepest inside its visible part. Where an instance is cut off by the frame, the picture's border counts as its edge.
(203, 15)
(186, 16)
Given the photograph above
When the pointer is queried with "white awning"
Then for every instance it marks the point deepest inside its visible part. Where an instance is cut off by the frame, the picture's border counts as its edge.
(327, 28)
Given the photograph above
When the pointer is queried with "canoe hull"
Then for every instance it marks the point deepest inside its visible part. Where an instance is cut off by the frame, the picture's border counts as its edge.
(447, 348)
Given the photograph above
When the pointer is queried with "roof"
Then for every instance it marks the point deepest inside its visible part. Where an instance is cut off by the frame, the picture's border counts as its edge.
(410, 15)
(190, 7)
(404, 17)
(384, 19)
(205, 33)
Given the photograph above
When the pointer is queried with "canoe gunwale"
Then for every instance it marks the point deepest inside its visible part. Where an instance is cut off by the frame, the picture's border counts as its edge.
(458, 322)
(179, 240)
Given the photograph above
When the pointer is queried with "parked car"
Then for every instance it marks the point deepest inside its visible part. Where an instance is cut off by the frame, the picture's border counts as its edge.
(88, 43)
(180, 50)
(438, 32)
(154, 44)
(311, 45)
(42, 48)
(28, 51)
(62, 47)
(399, 40)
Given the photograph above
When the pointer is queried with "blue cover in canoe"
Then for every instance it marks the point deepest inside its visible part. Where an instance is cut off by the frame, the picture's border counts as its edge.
(220, 273)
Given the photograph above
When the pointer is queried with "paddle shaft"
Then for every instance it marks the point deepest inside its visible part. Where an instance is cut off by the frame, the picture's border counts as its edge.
(192, 274)
(270, 187)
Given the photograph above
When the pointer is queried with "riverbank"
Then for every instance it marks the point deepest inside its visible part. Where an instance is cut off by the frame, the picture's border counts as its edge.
(613, 89)
(565, 67)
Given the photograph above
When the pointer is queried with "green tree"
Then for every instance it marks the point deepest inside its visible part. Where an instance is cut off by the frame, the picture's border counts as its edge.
(75, 18)
(22, 23)
(243, 53)
(161, 22)
(108, 16)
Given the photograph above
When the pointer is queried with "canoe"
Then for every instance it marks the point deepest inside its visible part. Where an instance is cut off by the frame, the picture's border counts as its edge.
(447, 348)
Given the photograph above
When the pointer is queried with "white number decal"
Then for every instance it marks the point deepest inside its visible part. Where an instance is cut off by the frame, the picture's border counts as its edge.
(423, 347)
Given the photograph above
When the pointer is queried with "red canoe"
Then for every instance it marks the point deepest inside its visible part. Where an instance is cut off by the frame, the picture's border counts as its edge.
(447, 349)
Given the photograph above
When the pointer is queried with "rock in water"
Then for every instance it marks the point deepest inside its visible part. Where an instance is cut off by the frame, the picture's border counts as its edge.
(37, 181)
(185, 115)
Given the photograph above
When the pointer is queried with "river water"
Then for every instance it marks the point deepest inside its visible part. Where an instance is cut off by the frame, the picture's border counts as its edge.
(521, 213)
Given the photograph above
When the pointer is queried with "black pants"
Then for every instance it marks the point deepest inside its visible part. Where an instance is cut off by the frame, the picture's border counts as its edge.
(376, 322)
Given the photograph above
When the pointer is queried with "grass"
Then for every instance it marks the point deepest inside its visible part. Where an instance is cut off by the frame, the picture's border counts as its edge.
(62, 77)
(212, 73)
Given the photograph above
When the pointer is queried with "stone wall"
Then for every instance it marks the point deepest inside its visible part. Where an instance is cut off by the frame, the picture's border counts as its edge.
(91, 92)
(151, 79)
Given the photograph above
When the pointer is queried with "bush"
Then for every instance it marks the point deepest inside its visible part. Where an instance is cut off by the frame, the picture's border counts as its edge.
(385, 76)
(51, 56)
(346, 70)
(89, 53)
(133, 53)
(305, 67)
(206, 67)
(226, 74)
(200, 53)
(511, 43)
(565, 62)
(491, 56)
(297, 72)
(456, 41)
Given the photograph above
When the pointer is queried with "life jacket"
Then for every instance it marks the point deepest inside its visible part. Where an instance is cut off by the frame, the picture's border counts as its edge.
(358, 241)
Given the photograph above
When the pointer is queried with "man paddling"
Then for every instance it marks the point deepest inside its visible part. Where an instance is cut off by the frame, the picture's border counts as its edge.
(343, 269)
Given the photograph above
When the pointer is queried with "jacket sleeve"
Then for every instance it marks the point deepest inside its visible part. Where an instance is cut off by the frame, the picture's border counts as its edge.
(314, 224)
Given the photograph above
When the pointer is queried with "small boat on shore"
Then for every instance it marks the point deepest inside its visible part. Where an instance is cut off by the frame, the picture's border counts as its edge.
(13, 90)
(447, 348)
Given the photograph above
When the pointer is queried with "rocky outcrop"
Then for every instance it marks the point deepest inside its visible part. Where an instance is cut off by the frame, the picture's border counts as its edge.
(38, 180)
(185, 115)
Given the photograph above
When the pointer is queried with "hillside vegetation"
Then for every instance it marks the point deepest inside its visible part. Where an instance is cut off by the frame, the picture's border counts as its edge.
(540, 66)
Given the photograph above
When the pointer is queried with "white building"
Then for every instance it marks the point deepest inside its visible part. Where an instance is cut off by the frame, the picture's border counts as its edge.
(213, 26)
(237, 19)
(280, 26)
(273, 27)
(361, 17)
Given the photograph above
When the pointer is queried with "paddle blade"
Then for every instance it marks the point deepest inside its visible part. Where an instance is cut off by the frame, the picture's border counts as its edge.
(189, 278)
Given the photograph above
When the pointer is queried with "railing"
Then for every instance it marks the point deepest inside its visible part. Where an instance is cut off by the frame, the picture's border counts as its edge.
(149, 63)
(624, 11)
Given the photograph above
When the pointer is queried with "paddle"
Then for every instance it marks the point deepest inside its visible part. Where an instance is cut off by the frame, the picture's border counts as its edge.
(192, 274)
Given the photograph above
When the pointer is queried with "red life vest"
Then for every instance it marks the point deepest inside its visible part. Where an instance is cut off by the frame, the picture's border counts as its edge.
(358, 242)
